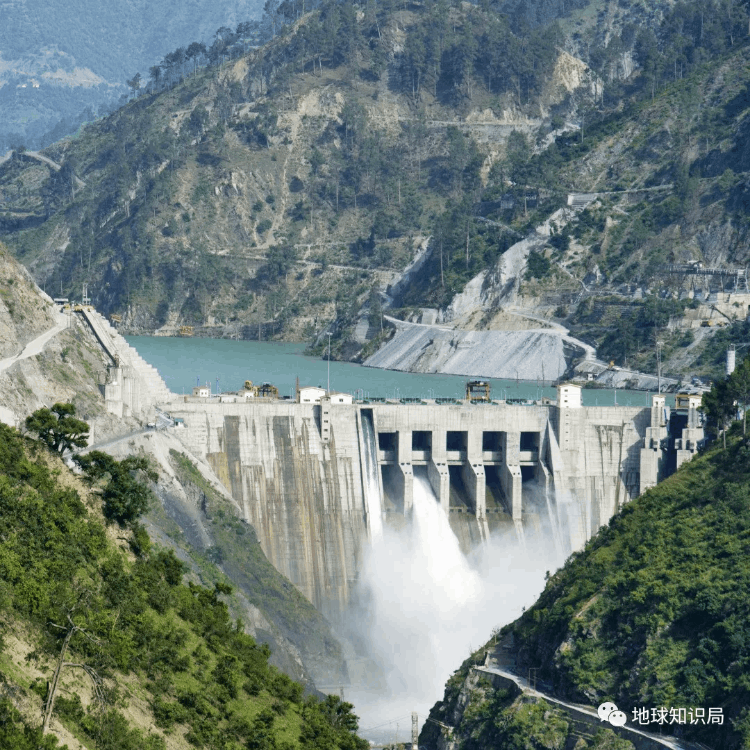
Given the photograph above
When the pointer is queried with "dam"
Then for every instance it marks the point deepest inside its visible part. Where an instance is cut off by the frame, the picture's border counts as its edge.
(321, 475)
(319, 480)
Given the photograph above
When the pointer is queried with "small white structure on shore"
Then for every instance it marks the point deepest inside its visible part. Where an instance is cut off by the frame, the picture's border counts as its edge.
(201, 391)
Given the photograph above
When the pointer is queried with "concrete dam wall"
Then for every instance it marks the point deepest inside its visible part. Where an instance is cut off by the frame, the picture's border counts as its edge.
(303, 473)
(304, 497)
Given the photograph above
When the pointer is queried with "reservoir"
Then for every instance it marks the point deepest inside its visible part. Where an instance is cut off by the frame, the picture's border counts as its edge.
(226, 365)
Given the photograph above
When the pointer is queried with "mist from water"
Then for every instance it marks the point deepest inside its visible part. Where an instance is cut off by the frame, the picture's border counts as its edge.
(426, 606)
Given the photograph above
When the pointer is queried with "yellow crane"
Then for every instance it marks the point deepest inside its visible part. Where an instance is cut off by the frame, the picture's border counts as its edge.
(478, 390)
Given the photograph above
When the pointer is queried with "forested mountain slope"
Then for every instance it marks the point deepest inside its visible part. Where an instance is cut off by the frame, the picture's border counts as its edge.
(191, 515)
(281, 193)
(149, 661)
(652, 614)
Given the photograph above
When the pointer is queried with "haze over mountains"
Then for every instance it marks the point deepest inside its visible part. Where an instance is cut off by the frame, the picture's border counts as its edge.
(58, 59)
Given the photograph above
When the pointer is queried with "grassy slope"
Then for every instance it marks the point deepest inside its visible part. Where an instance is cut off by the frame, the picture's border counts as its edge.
(654, 612)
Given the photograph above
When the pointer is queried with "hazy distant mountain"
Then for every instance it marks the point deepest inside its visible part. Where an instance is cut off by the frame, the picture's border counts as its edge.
(57, 59)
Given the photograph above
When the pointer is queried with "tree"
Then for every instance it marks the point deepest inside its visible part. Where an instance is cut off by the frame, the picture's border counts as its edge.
(193, 52)
(155, 74)
(198, 120)
(72, 629)
(316, 160)
(740, 388)
(270, 9)
(125, 498)
(537, 265)
(517, 155)
(718, 406)
(135, 83)
(375, 306)
(58, 428)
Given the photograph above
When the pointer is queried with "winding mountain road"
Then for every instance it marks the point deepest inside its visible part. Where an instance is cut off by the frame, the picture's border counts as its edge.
(57, 167)
(523, 684)
(35, 347)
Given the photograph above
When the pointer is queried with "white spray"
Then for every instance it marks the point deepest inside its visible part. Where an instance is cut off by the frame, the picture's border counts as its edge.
(371, 485)
(429, 605)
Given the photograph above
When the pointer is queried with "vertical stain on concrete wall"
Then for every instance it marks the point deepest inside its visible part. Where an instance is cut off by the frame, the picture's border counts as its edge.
(303, 498)
(232, 442)
(218, 462)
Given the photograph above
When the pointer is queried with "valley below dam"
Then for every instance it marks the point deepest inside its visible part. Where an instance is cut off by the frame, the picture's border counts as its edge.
(415, 521)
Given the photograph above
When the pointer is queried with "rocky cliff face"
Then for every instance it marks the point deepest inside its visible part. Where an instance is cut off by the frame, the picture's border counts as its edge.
(25, 313)
(36, 370)
(530, 354)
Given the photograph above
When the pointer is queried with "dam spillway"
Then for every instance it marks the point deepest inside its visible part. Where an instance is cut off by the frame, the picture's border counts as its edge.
(304, 473)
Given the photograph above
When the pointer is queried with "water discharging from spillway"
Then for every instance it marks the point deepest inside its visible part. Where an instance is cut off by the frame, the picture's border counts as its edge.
(425, 606)
(371, 484)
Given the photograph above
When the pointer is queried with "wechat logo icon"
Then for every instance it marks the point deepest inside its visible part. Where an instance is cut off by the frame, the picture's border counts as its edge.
(609, 712)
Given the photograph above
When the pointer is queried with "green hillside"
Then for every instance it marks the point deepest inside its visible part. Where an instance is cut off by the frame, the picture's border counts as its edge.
(653, 613)
(149, 661)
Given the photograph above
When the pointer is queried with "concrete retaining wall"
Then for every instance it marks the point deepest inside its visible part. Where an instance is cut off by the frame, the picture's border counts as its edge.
(304, 498)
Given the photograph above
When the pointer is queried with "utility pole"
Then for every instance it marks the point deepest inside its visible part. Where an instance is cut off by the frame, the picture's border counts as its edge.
(414, 731)
(659, 345)
(532, 677)
(329, 363)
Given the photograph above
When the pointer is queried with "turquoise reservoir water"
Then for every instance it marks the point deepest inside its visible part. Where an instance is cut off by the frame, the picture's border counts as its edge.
(183, 362)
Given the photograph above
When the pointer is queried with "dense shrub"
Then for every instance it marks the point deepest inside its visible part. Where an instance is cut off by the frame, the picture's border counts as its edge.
(57, 568)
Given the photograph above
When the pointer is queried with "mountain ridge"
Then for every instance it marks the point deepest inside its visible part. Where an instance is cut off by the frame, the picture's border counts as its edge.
(302, 178)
